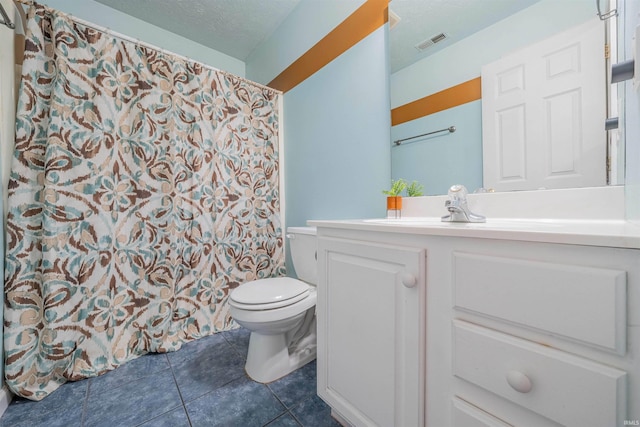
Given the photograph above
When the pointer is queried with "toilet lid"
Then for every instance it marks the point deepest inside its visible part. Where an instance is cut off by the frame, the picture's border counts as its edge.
(273, 292)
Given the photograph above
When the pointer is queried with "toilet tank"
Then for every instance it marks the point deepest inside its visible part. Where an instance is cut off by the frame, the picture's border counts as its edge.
(303, 245)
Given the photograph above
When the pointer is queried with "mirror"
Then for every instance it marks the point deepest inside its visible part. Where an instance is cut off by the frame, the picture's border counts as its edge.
(438, 45)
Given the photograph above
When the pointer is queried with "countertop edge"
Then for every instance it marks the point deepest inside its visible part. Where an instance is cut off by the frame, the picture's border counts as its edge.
(616, 234)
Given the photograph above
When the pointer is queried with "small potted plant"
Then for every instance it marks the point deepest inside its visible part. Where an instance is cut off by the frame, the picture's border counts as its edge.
(394, 199)
(415, 189)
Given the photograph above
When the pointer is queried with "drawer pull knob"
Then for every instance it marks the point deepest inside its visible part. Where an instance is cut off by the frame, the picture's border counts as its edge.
(519, 381)
(409, 280)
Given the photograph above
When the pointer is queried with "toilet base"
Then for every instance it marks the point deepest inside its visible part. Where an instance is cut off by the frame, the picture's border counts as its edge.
(273, 356)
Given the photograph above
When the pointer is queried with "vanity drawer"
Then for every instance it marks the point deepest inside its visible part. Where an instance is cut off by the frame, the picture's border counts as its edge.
(584, 303)
(467, 415)
(567, 389)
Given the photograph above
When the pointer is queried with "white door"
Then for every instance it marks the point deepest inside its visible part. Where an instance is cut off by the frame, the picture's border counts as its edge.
(370, 315)
(544, 109)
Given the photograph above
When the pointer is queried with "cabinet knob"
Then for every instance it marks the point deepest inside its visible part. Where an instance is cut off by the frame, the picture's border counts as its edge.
(519, 381)
(409, 280)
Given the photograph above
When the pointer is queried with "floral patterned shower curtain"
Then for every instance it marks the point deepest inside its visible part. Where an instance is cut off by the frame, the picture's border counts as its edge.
(143, 189)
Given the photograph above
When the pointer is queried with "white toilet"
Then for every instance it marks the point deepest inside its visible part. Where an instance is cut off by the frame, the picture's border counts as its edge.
(281, 313)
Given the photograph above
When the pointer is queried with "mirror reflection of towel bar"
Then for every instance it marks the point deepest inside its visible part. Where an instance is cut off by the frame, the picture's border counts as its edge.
(450, 129)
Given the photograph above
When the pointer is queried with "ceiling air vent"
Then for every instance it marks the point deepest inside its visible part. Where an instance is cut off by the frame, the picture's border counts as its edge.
(431, 41)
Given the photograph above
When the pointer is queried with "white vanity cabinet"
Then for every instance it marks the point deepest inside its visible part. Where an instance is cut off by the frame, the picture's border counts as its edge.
(370, 314)
(495, 332)
(545, 335)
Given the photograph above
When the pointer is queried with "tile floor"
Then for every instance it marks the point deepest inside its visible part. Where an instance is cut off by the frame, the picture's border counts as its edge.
(202, 384)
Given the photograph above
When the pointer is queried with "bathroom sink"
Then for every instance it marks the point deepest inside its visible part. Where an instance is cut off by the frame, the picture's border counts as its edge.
(598, 232)
(416, 221)
(491, 223)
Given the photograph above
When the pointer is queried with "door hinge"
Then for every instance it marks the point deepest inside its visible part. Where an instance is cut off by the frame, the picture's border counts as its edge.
(607, 51)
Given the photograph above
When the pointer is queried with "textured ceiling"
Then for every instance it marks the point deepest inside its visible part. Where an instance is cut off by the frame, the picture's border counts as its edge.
(422, 19)
(237, 27)
(233, 27)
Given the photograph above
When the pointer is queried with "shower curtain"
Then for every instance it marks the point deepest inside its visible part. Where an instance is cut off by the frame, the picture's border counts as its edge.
(143, 189)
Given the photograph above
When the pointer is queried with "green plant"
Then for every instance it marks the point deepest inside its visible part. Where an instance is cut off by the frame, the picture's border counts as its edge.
(397, 187)
(415, 189)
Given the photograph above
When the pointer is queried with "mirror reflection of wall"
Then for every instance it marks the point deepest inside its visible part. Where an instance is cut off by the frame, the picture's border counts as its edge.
(440, 86)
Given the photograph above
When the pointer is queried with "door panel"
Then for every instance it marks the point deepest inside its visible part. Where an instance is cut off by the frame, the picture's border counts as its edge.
(543, 110)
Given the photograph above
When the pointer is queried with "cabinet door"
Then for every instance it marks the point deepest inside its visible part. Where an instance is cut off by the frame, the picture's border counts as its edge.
(371, 332)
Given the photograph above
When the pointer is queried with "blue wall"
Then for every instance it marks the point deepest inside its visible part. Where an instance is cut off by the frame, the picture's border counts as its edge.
(336, 128)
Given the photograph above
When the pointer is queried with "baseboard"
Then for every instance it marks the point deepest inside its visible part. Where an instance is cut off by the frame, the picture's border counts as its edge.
(5, 399)
(340, 419)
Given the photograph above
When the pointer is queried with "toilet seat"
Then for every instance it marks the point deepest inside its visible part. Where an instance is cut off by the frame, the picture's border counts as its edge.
(268, 294)
(276, 314)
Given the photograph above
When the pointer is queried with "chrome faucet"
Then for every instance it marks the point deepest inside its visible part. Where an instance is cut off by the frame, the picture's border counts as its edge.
(458, 208)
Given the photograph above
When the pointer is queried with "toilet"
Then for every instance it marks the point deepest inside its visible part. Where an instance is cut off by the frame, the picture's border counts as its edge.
(280, 312)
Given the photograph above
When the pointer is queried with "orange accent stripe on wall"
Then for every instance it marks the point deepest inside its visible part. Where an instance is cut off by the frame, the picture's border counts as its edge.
(365, 20)
(452, 97)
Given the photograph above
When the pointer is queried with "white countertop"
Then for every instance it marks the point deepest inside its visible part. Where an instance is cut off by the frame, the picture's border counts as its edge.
(609, 233)
(584, 216)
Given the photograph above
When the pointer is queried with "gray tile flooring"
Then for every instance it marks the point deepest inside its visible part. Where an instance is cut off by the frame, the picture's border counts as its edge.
(202, 384)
